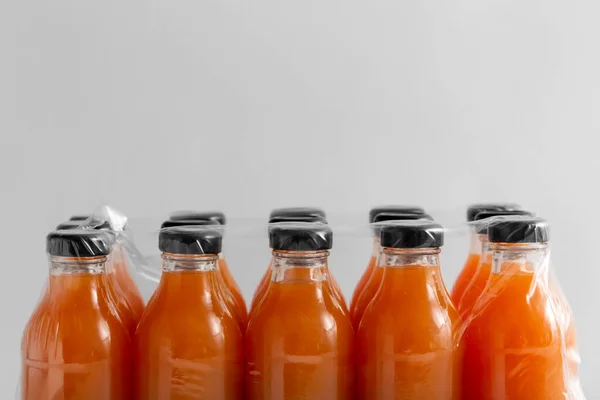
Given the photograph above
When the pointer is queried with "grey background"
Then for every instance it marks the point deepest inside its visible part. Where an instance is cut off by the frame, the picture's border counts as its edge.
(159, 105)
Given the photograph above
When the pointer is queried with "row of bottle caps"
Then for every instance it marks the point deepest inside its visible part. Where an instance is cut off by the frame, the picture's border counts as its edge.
(304, 229)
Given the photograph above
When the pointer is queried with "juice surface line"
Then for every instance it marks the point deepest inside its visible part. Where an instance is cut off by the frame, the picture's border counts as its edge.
(75, 345)
(406, 347)
(518, 339)
(299, 341)
(189, 344)
(214, 217)
(362, 297)
(473, 258)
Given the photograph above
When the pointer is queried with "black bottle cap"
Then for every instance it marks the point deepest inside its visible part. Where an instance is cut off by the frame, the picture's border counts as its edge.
(475, 209)
(78, 243)
(300, 236)
(394, 210)
(190, 239)
(519, 230)
(482, 226)
(386, 216)
(80, 224)
(199, 215)
(301, 214)
(414, 234)
(297, 218)
(187, 222)
(80, 217)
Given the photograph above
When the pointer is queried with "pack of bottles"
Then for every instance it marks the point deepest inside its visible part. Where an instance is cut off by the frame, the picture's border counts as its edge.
(502, 331)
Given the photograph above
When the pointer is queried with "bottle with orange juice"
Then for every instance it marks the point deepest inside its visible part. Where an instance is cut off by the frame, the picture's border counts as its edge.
(188, 344)
(75, 346)
(517, 340)
(299, 341)
(292, 214)
(364, 296)
(223, 267)
(405, 344)
(466, 274)
(483, 269)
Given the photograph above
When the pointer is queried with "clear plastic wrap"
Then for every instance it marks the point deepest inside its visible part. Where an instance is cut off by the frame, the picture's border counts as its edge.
(150, 309)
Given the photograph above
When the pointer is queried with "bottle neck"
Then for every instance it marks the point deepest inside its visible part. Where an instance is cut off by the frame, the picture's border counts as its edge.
(413, 274)
(530, 258)
(76, 279)
(69, 265)
(191, 277)
(398, 258)
(299, 266)
(184, 262)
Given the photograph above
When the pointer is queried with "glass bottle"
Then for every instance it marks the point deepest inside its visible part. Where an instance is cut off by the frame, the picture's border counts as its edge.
(405, 343)
(299, 341)
(75, 346)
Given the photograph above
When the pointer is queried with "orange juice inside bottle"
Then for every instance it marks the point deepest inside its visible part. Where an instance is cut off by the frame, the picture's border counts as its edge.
(75, 346)
(223, 269)
(405, 342)
(364, 280)
(477, 284)
(189, 345)
(366, 295)
(292, 214)
(232, 287)
(468, 271)
(362, 297)
(299, 341)
(264, 287)
(261, 289)
(516, 342)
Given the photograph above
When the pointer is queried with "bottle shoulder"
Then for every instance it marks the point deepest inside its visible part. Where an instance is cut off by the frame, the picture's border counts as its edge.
(281, 315)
